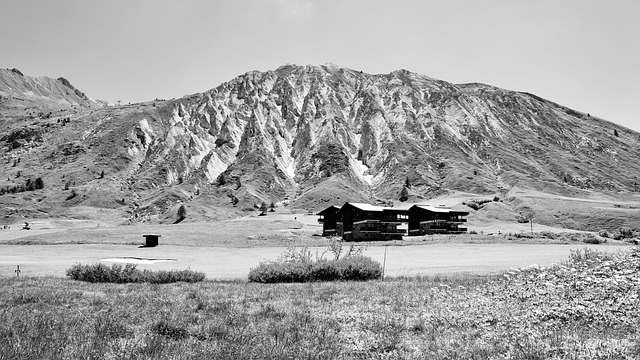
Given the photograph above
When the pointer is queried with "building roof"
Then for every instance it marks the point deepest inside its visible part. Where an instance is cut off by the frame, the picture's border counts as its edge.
(434, 208)
(368, 207)
(439, 209)
(330, 209)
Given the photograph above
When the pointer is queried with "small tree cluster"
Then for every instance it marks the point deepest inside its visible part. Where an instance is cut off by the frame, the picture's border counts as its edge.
(29, 185)
(621, 234)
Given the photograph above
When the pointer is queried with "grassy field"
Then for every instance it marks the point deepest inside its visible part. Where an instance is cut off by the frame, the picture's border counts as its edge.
(583, 309)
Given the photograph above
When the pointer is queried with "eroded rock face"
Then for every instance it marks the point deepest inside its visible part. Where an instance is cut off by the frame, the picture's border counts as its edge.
(303, 131)
(272, 129)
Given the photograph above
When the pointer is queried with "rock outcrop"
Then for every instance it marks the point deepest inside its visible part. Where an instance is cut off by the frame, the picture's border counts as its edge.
(304, 133)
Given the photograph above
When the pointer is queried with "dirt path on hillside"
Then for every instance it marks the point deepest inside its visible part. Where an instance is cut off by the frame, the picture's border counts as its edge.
(234, 263)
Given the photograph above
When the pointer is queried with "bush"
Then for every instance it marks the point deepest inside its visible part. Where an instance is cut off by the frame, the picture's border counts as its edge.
(603, 233)
(593, 240)
(298, 266)
(100, 273)
(477, 204)
(352, 268)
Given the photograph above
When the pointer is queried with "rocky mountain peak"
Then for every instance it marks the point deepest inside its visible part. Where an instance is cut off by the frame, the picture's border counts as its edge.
(312, 134)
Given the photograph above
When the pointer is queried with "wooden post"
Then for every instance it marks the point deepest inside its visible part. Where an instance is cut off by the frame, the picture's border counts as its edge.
(17, 271)
(384, 262)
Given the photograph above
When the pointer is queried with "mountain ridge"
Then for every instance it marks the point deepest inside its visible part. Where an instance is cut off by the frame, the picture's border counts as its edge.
(297, 134)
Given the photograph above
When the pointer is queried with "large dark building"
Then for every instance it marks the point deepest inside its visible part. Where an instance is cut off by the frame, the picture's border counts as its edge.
(328, 220)
(425, 219)
(358, 221)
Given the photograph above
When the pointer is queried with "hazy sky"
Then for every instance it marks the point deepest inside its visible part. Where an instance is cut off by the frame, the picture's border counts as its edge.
(584, 54)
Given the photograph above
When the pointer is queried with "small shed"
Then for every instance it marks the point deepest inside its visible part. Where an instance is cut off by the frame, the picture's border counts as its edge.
(150, 240)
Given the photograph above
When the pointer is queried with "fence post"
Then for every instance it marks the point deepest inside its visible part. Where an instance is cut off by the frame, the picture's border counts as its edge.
(384, 262)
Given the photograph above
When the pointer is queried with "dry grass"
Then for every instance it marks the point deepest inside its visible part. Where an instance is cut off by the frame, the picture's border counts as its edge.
(584, 309)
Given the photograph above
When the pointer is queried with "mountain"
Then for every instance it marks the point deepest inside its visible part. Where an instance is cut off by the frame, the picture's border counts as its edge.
(307, 137)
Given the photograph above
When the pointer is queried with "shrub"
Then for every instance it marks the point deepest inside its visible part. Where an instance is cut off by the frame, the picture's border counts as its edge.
(593, 240)
(550, 235)
(354, 268)
(477, 204)
(473, 205)
(100, 273)
(603, 233)
(298, 266)
(626, 232)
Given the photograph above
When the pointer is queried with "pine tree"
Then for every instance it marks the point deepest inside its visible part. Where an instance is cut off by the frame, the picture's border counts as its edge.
(272, 207)
(407, 184)
(39, 183)
(263, 209)
(182, 212)
(404, 194)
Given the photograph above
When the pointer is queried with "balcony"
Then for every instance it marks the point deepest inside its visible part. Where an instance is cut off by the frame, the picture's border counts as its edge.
(393, 231)
(458, 220)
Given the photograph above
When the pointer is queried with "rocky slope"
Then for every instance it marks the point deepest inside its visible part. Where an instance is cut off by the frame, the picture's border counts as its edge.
(308, 136)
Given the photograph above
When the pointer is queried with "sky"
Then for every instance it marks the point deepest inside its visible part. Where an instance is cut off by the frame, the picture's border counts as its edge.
(584, 54)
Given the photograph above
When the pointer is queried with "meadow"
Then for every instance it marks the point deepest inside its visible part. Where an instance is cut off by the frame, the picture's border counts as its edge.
(584, 308)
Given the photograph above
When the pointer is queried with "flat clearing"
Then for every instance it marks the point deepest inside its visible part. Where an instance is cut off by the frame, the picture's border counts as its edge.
(228, 249)
(234, 263)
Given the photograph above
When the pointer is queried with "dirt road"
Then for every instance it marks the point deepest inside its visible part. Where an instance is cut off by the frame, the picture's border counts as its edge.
(234, 263)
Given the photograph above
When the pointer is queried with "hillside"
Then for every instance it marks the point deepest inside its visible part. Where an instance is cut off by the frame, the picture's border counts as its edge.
(307, 137)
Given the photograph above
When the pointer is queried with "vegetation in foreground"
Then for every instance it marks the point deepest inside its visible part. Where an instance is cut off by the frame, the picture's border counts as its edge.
(585, 308)
(100, 273)
(300, 266)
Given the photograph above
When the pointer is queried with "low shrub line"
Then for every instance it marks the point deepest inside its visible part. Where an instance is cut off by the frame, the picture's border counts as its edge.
(298, 266)
(100, 273)
(354, 268)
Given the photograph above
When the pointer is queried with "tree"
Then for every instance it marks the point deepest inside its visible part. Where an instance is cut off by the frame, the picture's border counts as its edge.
(615, 132)
(407, 184)
(182, 212)
(102, 174)
(404, 194)
(263, 209)
(272, 207)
